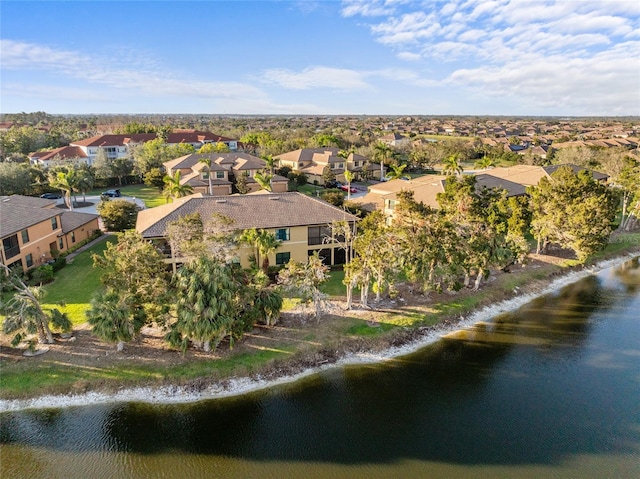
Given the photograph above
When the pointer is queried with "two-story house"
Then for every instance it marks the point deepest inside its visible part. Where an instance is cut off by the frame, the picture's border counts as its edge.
(313, 161)
(224, 169)
(121, 145)
(300, 222)
(32, 229)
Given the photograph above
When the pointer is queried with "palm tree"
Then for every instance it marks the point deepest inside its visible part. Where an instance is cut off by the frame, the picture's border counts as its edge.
(112, 319)
(451, 165)
(173, 188)
(267, 244)
(207, 161)
(348, 176)
(270, 162)
(384, 154)
(250, 237)
(264, 180)
(396, 172)
(68, 183)
(85, 183)
(484, 163)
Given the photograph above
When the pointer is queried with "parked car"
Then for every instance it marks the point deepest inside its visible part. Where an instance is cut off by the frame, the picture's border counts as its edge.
(332, 184)
(51, 196)
(112, 193)
(347, 188)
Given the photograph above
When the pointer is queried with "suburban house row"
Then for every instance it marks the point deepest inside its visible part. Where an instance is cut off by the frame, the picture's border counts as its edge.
(34, 229)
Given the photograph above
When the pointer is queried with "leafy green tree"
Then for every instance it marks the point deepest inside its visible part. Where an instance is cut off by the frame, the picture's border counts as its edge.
(118, 215)
(121, 168)
(241, 183)
(173, 187)
(304, 280)
(628, 181)
(574, 211)
(154, 178)
(102, 165)
(15, 179)
(218, 147)
(328, 176)
(136, 284)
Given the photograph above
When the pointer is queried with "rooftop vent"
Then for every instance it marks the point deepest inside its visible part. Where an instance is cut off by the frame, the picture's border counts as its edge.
(221, 201)
(274, 198)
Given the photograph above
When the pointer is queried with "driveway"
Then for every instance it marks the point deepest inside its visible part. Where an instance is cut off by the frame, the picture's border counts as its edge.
(96, 199)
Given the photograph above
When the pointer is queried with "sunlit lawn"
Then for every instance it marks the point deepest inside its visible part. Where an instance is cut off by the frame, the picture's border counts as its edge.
(75, 284)
(151, 196)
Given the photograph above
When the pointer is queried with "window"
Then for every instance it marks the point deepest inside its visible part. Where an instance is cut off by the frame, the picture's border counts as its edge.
(283, 258)
(10, 246)
(25, 236)
(205, 175)
(319, 235)
(324, 254)
(220, 175)
(29, 260)
(54, 222)
(282, 234)
(73, 236)
(60, 244)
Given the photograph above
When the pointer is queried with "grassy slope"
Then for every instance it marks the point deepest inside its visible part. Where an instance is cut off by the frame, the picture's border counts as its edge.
(75, 284)
(24, 379)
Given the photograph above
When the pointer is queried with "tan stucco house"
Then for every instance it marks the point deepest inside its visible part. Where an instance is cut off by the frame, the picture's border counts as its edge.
(302, 223)
(224, 166)
(31, 229)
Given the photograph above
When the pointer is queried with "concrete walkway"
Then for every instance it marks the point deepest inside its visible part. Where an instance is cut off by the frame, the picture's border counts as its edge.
(100, 238)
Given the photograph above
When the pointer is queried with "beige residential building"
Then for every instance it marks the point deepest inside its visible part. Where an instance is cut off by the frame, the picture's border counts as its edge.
(313, 161)
(32, 229)
(224, 167)
(300, 222)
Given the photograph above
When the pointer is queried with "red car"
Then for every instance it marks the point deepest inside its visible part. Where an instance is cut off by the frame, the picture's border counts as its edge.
(346, 188)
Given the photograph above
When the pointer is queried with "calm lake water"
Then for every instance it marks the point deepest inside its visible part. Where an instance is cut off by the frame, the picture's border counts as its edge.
(550, 391)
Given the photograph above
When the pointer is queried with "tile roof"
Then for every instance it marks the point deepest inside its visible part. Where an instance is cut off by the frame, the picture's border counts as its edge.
(185, 136)
(276, 210)
(20, 212)
(72, 220)
(66, 152)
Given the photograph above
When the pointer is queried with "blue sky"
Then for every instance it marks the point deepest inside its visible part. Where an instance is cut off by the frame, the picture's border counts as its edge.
(461, 57)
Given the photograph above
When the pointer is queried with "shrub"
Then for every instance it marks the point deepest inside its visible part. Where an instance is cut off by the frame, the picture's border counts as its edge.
(42, 274)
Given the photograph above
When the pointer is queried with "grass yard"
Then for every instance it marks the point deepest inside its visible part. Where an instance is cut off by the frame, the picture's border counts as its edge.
(151, 196)
(75, 284)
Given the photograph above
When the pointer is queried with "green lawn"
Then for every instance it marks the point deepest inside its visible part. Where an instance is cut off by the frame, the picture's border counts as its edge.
(151, 196)
(75, 284)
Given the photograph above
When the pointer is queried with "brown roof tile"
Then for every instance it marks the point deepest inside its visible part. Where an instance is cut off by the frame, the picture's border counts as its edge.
(276, 210)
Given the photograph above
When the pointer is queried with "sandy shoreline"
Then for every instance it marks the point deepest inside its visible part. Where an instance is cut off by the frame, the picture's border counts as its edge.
(238, 386)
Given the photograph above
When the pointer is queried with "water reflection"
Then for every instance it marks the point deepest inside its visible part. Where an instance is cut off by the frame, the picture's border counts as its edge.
(555, 380)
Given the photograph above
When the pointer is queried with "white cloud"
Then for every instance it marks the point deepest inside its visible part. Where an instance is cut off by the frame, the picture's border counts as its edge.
(316, 77)
(553, 52)
(366, 8)
(409, 56)
(144, 79)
